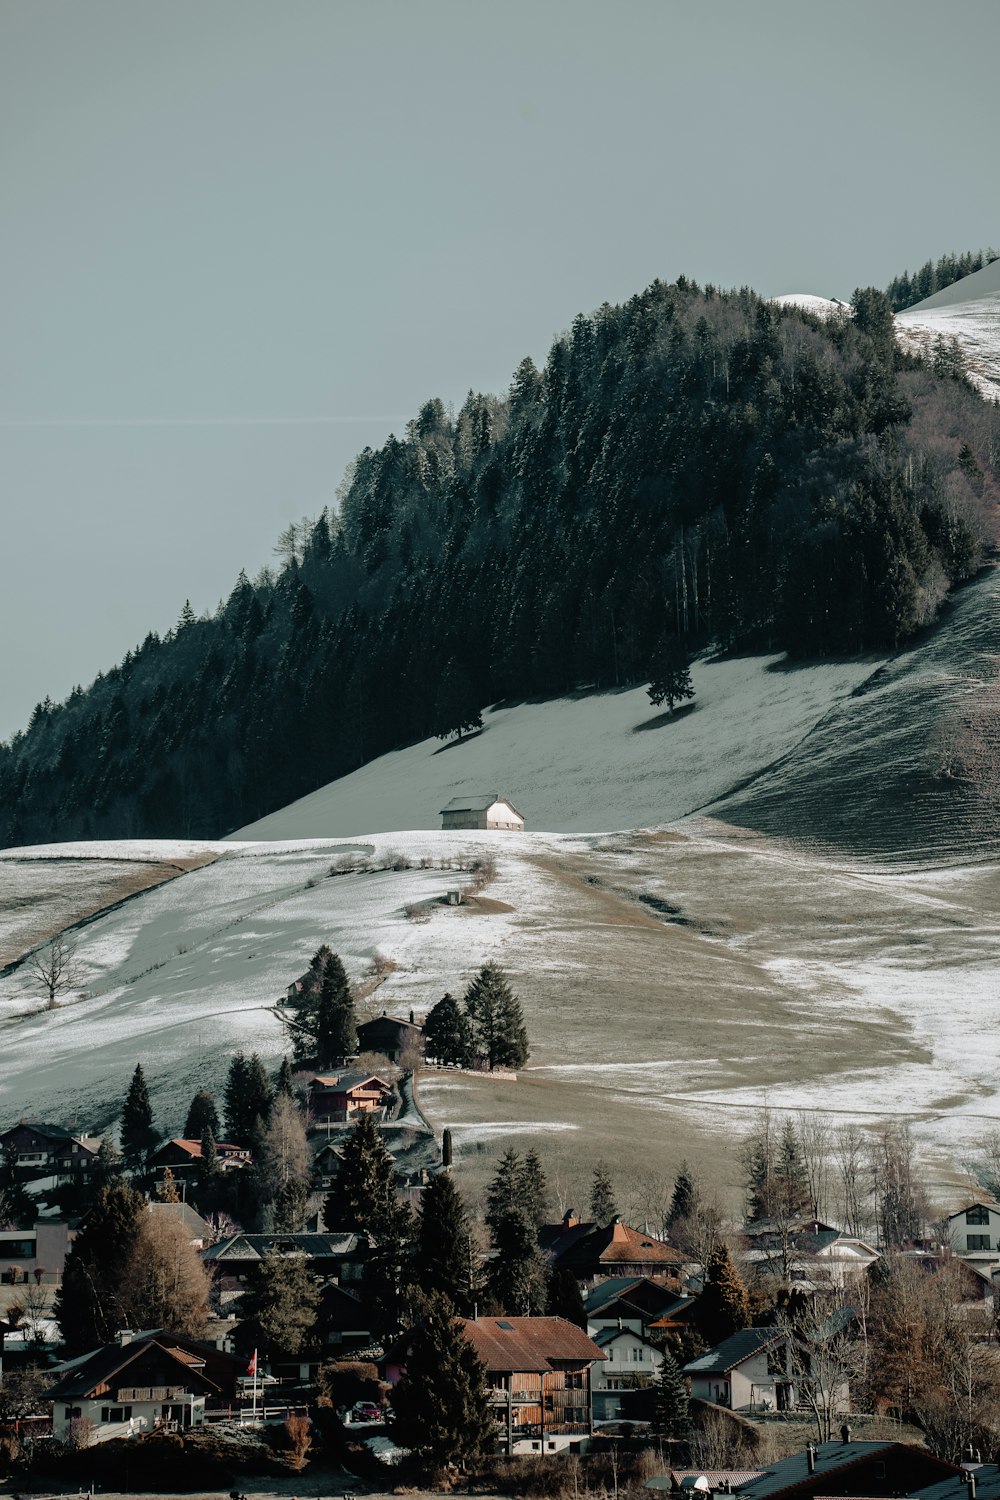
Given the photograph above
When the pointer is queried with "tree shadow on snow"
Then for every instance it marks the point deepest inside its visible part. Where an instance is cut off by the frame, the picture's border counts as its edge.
(463, 740)
(670, 717)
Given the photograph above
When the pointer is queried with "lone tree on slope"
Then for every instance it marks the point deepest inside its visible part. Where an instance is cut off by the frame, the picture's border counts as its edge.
(55, 967)
(671, 675)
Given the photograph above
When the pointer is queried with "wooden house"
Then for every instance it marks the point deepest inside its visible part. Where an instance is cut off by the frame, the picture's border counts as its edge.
(335, 1099)
(183, 1157)
(391, 1037)
(482, 810)
(137, 1384)
(42, 1150)
(592, 1251)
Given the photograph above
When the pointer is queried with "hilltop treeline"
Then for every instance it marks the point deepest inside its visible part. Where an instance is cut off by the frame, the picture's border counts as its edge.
(693, 464)
(934, 275)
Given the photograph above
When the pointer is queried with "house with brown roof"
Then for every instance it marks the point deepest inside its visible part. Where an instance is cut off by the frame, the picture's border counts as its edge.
(183, 1157)
(592, 1251)
(338, 1098)
(137, 1384)
(539, 1375)
(391, 1036)
(42, 1150)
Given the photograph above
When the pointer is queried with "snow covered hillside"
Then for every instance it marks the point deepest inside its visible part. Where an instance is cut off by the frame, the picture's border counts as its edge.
(822, 307)
(590, 763)
(968, 311)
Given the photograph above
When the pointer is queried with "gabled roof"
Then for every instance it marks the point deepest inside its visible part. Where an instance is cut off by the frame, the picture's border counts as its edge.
(634, 1297)
(354, 1078)
(975, 1203)
(733, 1351)
(101, 1365)
(182, 1213)
(193, 1148)
(957, 1488)
(473, 802)
(53, 1132)
(605, 1336)
(244, 1247)
(509, 1345)
(384, 1022)
(793, 1472)
(584, 1244)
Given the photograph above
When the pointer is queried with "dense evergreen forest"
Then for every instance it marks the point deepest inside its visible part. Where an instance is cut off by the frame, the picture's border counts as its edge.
(934, 275)
(692, 468)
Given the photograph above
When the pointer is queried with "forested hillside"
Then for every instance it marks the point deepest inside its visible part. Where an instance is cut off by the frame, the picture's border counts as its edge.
(693, 464)
(934, 275)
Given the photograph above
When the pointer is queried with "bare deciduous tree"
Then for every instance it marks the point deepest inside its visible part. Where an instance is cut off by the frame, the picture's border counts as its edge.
(849, 1154)
(55, 967)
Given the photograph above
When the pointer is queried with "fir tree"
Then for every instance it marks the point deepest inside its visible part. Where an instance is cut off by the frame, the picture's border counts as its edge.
(284, 1084)
(90, 1305)
(234, 1102)
(335, 1034)
(208, 1174)
(138, 1134)
(671, 674)
(534, 1188)
(603, 1209)
(202, 1115)
(505, 1191)
(565, 1299)
(447, 1033)
(671, 1419)
(445, 1258)
(440, 1408)
(279, 1307)
(684, 1199)
(363, 1194)
(494, 1013)
(517, 1274)
(456, 710)
(723, 1307)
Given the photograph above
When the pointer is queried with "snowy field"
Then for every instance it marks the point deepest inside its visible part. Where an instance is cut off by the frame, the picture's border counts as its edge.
(608, 760)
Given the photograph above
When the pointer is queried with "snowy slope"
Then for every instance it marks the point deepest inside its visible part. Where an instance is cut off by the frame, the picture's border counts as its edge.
(823, 307)
(968, 311)
(604, 761)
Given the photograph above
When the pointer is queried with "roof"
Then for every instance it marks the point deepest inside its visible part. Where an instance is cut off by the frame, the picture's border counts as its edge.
(956, 1488)
(242, 1247)
(101, 1365)
(384, 1022)
(193, 1148)
(793, 1472)
(192, 1222)
(975, 1203)
(633, 1296)
(523, 1344)
(733, 1351)
(585, 1243)
(54, 1132)
(605, 1336)
(478, 802)
(352, 1079)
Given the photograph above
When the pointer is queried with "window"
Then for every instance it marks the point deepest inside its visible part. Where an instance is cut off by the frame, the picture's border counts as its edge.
(977, 1215)
(574, 1380)
(116, 1413)
(17, 1249)
(639, 1354)
(977, 1242)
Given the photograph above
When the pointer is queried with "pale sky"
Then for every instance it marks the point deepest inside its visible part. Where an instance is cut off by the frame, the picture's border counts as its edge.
(240, 239)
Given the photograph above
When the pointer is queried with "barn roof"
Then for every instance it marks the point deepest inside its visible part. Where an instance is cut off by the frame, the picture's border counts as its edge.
(477, 802)
(520, 1344)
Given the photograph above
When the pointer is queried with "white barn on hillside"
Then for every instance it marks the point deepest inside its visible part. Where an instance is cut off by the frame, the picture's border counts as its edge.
(482, 810)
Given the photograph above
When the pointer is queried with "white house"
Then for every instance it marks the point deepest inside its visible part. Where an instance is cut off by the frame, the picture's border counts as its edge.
(630, 1362)
(747, 1372)
(975, 1230)
(482, 810)
(138, 1384)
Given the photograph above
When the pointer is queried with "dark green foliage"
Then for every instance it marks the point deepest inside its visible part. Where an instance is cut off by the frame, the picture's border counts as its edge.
(565, 1299)
(447, 1033)
(670, 674)
(603, 1208)
(534, 1188)
(906, 290)
(138, 1135)
(691, 462)
(18, 1210)
(517, 1273)
(321, 1019)
(202, 1115)
(247, 1100)
(684, 1200)
(456, 710)
(89, 1305)
(723, 1307)
(499, 1037)
(671, 1422)
(279, 1307)
(440, 1408)
(284, 1083)
(445, 1258)
(363, 1194)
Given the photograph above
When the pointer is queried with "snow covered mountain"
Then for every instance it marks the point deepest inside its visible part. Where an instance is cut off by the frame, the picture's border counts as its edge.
(968, 311)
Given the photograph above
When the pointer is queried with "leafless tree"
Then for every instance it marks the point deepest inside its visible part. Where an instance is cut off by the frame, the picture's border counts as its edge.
(849, 1155)
(54, 967)
(826, 1356)
(814, 1141)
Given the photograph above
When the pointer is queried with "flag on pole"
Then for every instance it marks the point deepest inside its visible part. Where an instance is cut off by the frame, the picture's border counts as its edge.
(252, 1366)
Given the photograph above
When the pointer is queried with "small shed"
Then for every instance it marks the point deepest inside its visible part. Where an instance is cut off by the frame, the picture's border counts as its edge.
(482, 810)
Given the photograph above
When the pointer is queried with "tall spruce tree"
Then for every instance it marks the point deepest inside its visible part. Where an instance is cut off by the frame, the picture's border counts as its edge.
(723, 1307)
(565, 1299)
(138, 1135)
(335, 1034)
(445, 1259)
(517, 1274)
(534, 1188)
(684, 1200)
(603, 1208)
(279, 1307)
(362, 1196)
(494, 1011)
(91, 1303)
(447, 1033)
(440, 1408)
(670, 674)
(202, 1115)
(671, 1415)
(284, 1084)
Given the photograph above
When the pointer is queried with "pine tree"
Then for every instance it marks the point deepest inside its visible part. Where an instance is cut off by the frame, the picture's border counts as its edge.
(202, 1115)
(723, 1307)
(534, 1188)
(504, 1194)
(259, 1095)
(517, 1273)
(234, 1102)
(138, 1134)
(440, 1408)
(603, 1209)
(671, 1419)
(335, 1036)
(284, 1083)
(91, 1304)
(494, 1013)
(208, 1173)
(279, 1306)
(684, 1200)
(670, 675)
(791, 1182)
(166, 1188)
(565, 1299)
(447, 1033)
(456, 708)
(363, 1194)
(445, 1258)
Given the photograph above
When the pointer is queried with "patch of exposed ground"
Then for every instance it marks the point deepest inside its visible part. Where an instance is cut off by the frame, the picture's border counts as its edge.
(42, 897)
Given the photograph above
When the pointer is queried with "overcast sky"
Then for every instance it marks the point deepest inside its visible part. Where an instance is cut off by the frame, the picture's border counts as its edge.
(240, 239)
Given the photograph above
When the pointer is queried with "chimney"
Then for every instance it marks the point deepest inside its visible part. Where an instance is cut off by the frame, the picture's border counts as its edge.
(845, 1433)
(970, 1480)
(811, 1457)
(570, 1219)
(412, 1021)
(125, 1336)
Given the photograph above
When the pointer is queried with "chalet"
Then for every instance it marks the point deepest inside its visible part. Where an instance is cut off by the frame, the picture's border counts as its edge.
(330, 1257)
(40, 1150)
(337, 1098)
(137, 1384)
(631, 1363)
(345, 1322)
(747, 1372)
(809, 1254)
(592, 1251)
(849, 1468)
(183, 1157)
(634, 1302)
(391, 1037)
(975, 1230)
(538, 1372)
(36, 1255)
(482, 810)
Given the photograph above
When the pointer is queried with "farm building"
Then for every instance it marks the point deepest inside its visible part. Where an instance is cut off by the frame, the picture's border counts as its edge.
(482, 810)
